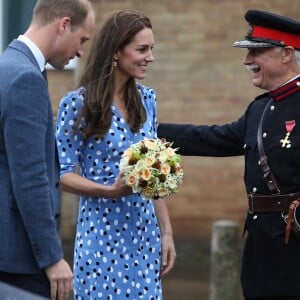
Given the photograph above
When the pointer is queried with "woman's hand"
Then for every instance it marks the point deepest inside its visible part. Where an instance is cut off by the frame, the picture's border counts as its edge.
(168, 254)
(119, 188)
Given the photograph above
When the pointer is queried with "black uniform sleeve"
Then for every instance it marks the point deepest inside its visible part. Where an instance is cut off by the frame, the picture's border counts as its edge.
(205, 140)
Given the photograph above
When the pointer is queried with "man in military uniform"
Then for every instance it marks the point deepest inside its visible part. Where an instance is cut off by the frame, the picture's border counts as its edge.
(268, 135)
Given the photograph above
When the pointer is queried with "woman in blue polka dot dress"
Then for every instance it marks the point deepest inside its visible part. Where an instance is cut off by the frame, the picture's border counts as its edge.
(124, 243)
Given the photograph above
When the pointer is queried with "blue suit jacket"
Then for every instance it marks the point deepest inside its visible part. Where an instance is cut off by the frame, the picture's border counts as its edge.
(29, 170)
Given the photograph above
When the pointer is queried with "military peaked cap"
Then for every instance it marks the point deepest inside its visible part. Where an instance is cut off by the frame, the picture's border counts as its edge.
(270, 30)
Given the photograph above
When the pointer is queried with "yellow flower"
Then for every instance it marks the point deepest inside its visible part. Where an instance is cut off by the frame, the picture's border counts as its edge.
(149, 161)
(128, 152)
(131, 179)
(145, 174)
(150, 144)
(165, 169)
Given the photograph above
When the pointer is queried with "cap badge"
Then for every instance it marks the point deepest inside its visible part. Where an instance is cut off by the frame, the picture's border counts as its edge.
(250, 30)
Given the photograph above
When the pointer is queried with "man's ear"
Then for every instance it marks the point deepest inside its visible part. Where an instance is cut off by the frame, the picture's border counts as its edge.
(64, 23)
(288, 52)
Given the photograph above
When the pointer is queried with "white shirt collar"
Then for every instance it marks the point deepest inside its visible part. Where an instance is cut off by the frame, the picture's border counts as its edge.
(288, 81)
(37, 53)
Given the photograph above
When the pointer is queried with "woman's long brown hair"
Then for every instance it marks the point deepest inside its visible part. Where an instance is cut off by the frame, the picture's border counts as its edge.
(97, 77)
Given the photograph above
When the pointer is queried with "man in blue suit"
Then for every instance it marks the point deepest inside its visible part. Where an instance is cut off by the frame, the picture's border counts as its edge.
(31, 256)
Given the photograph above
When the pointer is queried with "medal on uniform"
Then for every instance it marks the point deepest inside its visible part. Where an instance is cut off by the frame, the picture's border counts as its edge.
(289, 126)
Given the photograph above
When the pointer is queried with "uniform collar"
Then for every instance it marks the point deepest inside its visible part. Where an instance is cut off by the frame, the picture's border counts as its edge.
(288, 88)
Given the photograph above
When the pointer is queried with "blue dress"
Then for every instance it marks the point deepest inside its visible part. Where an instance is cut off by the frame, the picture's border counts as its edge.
(117, 253)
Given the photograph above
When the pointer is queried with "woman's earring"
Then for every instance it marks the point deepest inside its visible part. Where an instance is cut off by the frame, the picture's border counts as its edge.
(115, 63)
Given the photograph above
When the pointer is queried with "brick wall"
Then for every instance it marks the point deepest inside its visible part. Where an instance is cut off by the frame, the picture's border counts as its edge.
(199, 78)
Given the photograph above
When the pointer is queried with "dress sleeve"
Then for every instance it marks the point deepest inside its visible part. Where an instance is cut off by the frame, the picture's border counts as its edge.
(154, 112)
(69, 140)
(148, 96)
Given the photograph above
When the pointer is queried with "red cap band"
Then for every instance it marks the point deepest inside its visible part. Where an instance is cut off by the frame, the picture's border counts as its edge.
(289, 39)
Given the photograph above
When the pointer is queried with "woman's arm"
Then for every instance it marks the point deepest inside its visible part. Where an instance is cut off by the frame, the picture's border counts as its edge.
(76, 184)
(168, 247)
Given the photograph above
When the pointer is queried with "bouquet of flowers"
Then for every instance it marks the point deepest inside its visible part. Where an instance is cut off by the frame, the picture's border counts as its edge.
(152, 168)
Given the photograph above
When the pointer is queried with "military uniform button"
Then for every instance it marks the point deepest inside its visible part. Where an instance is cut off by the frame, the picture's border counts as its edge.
(254, 190)
(245, 145)
(254, 217)
(272, 107)
(264, 134)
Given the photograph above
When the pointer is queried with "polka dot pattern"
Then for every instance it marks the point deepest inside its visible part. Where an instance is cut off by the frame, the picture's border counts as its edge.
(117, 248)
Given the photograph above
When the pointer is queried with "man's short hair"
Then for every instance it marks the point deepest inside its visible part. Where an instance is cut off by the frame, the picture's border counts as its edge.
(46, 11)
